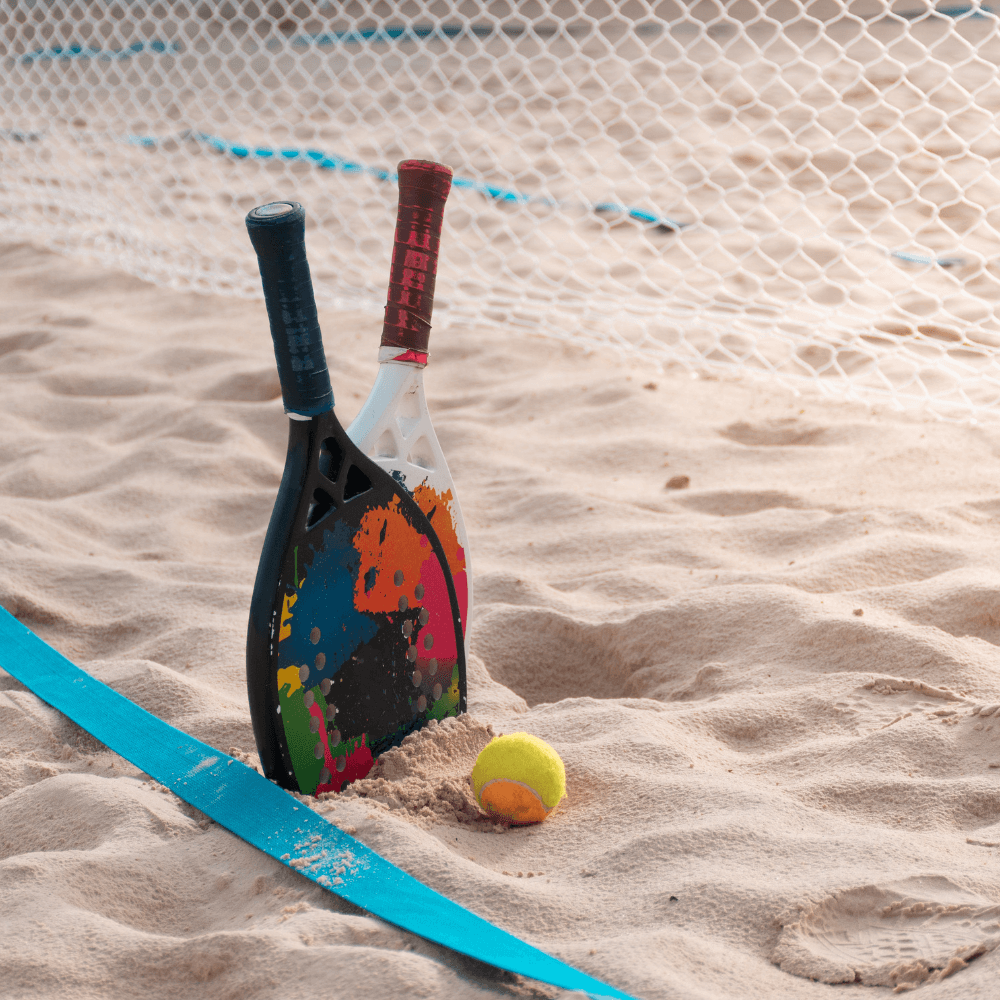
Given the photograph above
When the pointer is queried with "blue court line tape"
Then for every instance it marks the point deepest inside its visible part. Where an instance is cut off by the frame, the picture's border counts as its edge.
(20, 135)
(956, 11)
(104, 55)
(386, 33)
(395, 33)
(418, 32)
(329, 161)
(916, 258)
(268, 817)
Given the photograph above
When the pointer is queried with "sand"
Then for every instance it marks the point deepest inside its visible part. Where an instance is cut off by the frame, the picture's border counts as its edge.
(774, 687)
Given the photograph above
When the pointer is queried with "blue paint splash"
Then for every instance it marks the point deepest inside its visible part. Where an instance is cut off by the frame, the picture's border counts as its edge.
(327, 603)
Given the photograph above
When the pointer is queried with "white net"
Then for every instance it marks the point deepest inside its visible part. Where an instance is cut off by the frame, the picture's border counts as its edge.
(803, 190)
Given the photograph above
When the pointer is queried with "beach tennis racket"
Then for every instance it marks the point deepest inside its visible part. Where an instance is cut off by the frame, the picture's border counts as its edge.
(393, 426)
(355, 633)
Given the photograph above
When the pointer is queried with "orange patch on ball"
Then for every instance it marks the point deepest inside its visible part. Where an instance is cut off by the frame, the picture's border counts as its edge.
(512, 802)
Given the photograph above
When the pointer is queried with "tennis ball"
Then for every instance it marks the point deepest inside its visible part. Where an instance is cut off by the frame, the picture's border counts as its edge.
(518, 779)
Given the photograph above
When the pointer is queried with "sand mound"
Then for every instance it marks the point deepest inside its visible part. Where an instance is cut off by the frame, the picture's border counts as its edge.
(427, 779)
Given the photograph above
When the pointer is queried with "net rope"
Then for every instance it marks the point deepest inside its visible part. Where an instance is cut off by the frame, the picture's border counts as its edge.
(804, 191)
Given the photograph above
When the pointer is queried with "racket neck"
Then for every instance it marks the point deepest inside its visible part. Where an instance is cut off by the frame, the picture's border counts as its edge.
(395, 382)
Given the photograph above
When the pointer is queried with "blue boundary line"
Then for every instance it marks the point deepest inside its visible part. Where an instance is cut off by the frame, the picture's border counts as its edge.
(418, 32)
(329, 161)
(104, 55)
(956, 11)
(269, 818)
(394, 33)
(915, 258)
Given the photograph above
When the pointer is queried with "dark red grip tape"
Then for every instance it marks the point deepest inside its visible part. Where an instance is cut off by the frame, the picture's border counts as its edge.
(423, 190)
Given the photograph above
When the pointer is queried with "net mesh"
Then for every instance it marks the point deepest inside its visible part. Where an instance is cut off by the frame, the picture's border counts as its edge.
(800, 190)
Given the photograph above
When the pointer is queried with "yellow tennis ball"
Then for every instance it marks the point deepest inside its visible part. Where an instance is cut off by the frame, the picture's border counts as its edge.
(518, 779)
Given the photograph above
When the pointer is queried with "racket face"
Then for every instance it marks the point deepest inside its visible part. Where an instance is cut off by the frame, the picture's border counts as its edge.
(393, 428)
(364, 641)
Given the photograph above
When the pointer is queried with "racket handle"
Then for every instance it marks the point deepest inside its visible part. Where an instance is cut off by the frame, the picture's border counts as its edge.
(278, 234)
(423, 190)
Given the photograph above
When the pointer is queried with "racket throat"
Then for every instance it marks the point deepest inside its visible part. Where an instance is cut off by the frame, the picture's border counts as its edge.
(394, 429)
(394, 426)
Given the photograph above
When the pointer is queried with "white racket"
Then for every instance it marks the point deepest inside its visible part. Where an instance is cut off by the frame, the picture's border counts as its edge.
(394, 426)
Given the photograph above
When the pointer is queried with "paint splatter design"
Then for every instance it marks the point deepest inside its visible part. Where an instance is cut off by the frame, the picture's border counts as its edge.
(366, 638)
(438, 508)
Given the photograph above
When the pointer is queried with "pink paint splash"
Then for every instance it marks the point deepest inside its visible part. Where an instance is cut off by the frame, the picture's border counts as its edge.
(358, 763)
(439, 625)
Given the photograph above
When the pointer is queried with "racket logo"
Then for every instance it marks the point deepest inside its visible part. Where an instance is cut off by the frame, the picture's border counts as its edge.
(411, 357)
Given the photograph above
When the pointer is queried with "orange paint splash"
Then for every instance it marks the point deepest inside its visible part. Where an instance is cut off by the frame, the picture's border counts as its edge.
(443, 523)
(431, 501)
(387, 544)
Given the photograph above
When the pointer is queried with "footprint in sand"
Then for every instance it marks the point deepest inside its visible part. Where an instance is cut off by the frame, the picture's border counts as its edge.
(28, 340)
(733, 503)
(902, 934)
(781, 433)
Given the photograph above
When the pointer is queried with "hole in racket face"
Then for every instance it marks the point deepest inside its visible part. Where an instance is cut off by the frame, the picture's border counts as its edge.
(331, 458)
(385, 447)
(408, 414)
(322, 504)
(421, 455)
(356, 484)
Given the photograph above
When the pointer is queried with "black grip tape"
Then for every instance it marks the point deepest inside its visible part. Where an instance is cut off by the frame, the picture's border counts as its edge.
(278, 234)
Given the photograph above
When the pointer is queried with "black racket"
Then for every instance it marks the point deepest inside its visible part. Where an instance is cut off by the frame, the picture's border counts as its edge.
(353, 597)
